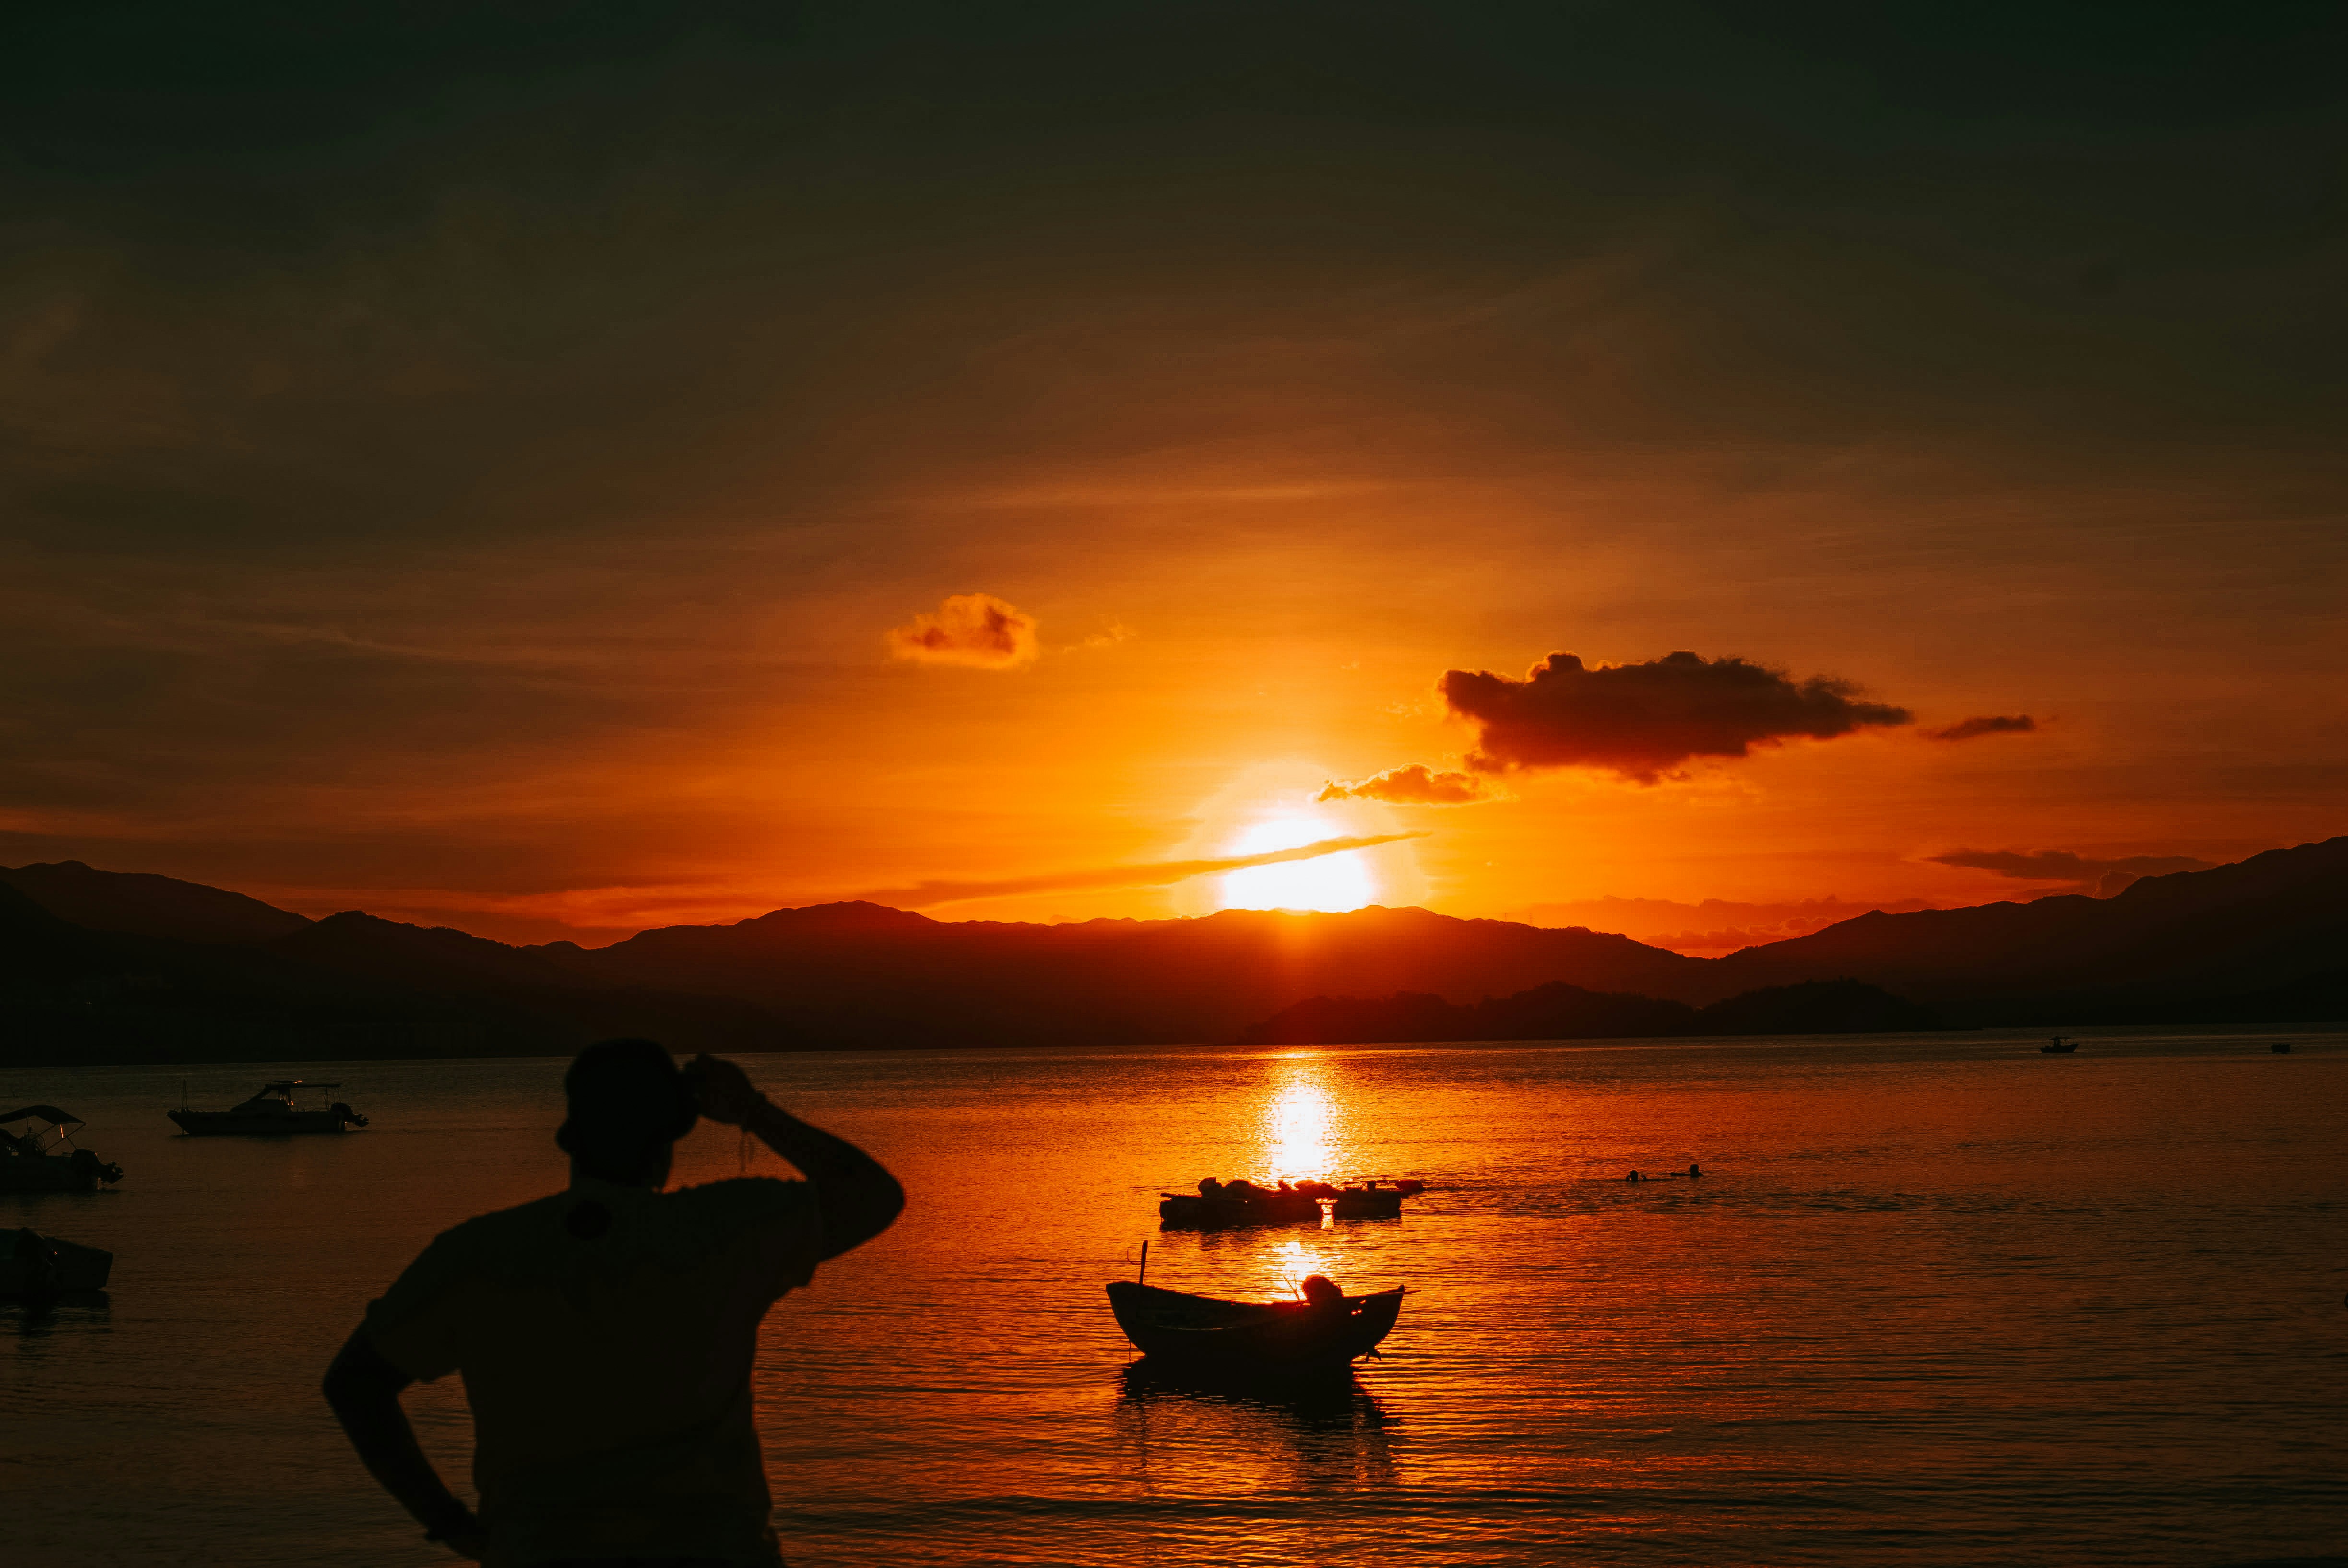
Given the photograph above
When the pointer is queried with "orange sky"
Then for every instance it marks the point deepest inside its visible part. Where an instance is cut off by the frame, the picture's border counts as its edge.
(477, 526)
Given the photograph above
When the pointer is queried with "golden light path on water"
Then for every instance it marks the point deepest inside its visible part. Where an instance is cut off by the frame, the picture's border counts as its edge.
(1301, 1120)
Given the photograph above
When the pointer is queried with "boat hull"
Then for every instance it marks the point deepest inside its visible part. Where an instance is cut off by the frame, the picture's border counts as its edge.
(1355, 1205)
(1182, 1212)
(45, 1173)
(48, 1266)
(256, 1124)
(1279, 1339)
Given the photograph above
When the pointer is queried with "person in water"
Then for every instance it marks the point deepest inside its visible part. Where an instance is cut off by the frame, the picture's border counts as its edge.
(605, 1334)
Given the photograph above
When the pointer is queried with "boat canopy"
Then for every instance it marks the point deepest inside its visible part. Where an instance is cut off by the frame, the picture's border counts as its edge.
(294, 1083)
(48, 1113)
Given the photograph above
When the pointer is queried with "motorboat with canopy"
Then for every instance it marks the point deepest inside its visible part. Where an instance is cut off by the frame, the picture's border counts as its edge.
(37, 1153)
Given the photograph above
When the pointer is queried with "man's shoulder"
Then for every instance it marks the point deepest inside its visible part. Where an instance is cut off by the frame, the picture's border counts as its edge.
(490, 1232)
(743, 1199)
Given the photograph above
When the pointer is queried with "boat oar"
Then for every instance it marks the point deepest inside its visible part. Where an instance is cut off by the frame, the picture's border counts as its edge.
(1144, 1278)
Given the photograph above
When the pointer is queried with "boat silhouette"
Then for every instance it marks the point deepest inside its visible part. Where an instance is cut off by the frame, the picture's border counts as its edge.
(35, 1265)
(1204, 1334)
(1217, 1204)
(270, 1111)
(37, 1153)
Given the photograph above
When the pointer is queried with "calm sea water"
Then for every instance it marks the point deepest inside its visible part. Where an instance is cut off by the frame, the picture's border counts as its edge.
(1937, 1300)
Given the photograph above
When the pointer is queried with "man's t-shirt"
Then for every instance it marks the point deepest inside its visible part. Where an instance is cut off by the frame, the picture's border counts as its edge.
(605, 1335)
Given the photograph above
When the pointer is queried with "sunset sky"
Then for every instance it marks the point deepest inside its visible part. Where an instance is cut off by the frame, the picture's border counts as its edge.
(628, 464)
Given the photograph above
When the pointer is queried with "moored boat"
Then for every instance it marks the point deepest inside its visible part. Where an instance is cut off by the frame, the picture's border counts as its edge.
(272, 1111)
(1243, 1203)
(2058, 1046)
(37, 1153)
(36, 1266)
(1288, 1339)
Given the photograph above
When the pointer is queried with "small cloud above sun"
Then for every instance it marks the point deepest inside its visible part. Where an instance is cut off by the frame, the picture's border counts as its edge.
(1331, 883)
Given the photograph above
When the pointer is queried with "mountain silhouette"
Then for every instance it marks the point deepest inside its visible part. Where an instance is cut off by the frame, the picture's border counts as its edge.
(123, 966)
(862, 974)
(2165, 947)
(141, 903)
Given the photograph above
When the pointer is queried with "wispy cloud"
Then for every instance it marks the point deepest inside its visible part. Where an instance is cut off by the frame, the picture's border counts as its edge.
(1415, 784)
(1984, 724)
(1156, 874)
(2102, 879)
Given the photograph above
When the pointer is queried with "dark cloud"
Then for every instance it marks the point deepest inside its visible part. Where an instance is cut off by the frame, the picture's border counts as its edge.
(974, 629)
(1156, 874)
(1984, 724)
(2101, 879)
(1415, 784)
(1642, 720)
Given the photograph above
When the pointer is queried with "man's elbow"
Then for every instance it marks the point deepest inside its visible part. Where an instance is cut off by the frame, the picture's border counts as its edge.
(360, 1379)
(873, 1210)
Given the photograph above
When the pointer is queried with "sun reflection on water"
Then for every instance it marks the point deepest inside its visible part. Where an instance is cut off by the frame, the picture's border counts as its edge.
(1296, 1261)
(1299, 1120)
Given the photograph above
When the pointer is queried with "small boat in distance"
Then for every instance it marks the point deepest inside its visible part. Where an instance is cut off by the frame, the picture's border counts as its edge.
(1202, 1333)
(2058, 1046)
(2280, 1048)
(270, 1111)
(37, 1154)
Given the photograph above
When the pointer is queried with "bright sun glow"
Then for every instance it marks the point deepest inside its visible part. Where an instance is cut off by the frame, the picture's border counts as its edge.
(1331, 882)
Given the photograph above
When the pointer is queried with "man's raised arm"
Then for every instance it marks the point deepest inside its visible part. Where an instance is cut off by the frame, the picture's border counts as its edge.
(860, 1198)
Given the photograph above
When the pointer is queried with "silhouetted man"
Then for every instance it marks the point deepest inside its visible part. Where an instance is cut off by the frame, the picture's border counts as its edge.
(605, 1334)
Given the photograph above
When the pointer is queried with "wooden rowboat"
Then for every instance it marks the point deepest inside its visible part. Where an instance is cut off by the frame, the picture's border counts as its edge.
(1203, 1333)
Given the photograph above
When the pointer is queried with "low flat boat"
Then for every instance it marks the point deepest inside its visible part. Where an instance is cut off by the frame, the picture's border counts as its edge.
(271, 1112)
(1202, 1333)
(1239, 1204)
(36, 1266)
(37, 1153)
(1218, 1205)
(2058, 1046)
(2280, 1048)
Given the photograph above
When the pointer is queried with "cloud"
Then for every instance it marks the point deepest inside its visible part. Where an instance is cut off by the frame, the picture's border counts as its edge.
(974, 629)
(1413, 785)
(1986, 724)
(2101, 879)
(1642, 720)
(1153, 875)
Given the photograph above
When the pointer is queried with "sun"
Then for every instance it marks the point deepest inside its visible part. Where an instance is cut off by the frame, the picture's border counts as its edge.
(1329, 882)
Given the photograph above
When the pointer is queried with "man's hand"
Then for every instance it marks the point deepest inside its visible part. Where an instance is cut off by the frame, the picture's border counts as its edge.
(859, 1199)
(723, 1089)
(468, 1540)
(363, 1389)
